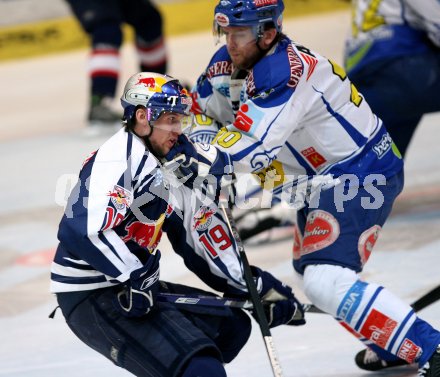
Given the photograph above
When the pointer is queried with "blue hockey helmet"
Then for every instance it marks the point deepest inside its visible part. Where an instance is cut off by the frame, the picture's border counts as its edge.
(248, 13)
(157, 93)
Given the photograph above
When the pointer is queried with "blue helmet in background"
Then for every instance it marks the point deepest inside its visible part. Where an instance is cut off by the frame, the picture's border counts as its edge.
(248, 13)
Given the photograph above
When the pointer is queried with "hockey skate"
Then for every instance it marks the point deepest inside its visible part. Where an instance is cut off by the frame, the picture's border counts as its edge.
(432, 367)
(102, 117)
(367, 359)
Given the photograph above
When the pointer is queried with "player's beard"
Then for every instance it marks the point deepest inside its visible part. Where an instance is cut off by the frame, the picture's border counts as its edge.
(247, 62)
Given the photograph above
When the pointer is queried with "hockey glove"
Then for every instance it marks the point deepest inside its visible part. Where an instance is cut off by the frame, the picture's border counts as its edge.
(138, 296)
(190, 160)
(280, 304)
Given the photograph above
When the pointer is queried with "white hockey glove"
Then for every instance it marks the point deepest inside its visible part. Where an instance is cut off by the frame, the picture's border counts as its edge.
(138, 296)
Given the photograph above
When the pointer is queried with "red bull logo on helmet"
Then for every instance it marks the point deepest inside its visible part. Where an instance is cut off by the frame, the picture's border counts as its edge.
(153, 83)
(203, 218)
(120, 197)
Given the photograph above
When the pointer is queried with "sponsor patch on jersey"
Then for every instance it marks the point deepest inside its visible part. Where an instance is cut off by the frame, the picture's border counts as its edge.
(120, 197)
(296, 67)
(383, 146)
(378, 327)
(351, 301)
(220, 68)
(313, 157)
(409, 351)
(321, 230)
(248, 118)
(366, 242)
(203, 218)
(311, 62)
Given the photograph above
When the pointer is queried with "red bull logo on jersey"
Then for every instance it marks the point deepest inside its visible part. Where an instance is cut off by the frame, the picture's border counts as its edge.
(203, 218)
(153, 83)
(120, 197)
(321, 230)
(145, 235)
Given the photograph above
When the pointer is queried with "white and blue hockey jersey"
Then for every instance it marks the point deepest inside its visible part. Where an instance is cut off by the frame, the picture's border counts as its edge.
(115, 217)
(387, 29)
(297, 115)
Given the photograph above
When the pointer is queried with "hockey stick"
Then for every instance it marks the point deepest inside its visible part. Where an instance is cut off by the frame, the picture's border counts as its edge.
(427, 299)
(255, 297)
(197, 300)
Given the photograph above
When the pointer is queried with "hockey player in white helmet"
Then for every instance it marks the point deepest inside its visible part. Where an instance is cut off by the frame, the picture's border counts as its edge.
(105, 272)
(293, 115)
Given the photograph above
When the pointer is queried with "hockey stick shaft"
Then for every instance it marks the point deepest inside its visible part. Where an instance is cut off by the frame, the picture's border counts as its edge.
(179, 299)
(255, 297)
(427, 299)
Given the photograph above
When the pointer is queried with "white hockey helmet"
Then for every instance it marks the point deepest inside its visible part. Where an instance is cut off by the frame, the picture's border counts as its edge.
(158, 93)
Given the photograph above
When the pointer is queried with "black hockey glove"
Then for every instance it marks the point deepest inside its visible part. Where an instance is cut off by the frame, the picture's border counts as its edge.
(190, 160)
(280, 304)
(138, 296)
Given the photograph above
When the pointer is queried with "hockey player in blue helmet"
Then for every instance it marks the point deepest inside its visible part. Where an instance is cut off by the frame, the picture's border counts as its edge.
(293, 117)
(106, 270)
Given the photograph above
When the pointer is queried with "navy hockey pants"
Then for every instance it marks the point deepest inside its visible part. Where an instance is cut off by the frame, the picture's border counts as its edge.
(162, 343)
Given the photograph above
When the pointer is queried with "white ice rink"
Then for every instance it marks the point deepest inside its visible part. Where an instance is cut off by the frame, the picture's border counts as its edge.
(42, 142)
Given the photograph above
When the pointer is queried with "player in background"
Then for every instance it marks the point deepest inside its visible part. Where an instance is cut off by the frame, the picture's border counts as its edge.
(270, 220)
(105, 273)
(393, 58)
(294, 113)
(102, 21)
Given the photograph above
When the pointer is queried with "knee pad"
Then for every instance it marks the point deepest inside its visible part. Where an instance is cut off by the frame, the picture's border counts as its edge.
(234, 333)
(326, 285)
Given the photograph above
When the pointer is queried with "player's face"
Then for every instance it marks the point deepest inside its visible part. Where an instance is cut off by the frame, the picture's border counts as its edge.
(241, 43)
(166, 130)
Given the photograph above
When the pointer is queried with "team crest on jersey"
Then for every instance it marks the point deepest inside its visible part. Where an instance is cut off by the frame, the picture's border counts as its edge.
(203, 218)
(367, 240)
(120, 197)
(322, 229)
